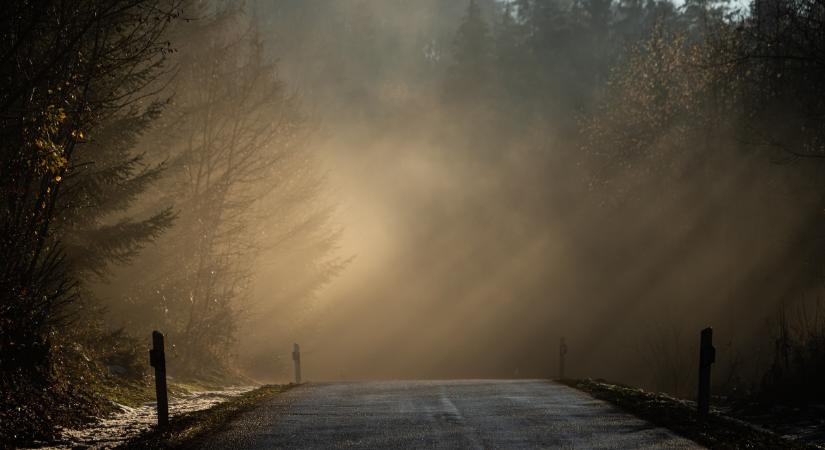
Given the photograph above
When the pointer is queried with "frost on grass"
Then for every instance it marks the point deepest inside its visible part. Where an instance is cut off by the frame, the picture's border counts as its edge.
(129, 422)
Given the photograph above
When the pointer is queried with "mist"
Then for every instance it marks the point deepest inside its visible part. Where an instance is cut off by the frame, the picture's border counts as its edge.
(434, 189)
(477, 234)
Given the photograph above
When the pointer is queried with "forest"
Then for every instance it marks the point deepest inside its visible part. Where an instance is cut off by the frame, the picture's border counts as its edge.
(416, 189)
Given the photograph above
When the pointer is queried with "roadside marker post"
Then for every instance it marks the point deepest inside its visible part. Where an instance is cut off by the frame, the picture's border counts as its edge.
(707, 356)
(562, 354)
(296, 357)
(157, 359)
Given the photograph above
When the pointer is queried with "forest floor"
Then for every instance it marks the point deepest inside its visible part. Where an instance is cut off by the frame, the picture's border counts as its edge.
(727, 427)
(138, 415)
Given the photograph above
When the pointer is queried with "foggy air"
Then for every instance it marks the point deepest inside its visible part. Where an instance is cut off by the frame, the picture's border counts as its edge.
(414, 224)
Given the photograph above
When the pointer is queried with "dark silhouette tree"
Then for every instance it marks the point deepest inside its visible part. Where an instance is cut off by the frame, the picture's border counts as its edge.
(468, 76)
(65, 69)
(242, 180)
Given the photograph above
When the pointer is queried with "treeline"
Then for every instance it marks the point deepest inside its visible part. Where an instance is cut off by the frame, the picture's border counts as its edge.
(694, 134)
(151, 157)
(674, 150)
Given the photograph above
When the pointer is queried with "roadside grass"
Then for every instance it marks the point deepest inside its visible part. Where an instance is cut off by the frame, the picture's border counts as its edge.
(128, 392)
(137, 392)
(717, 431)
(187, 430)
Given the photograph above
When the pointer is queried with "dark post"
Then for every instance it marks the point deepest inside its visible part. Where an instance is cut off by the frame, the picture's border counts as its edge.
(296, 356)
(157, 359)
(562, 352)
(707, 356)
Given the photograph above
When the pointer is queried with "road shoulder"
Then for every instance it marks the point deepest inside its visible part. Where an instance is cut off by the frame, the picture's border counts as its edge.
(188, 431)
(717, 431)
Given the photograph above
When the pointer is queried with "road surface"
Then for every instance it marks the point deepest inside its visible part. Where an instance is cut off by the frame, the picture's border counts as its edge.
(465, 414)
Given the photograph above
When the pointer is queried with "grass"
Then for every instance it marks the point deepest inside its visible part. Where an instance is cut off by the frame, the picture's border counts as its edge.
(131, 393)
(187, 430)
(716, 431)
(134, 393)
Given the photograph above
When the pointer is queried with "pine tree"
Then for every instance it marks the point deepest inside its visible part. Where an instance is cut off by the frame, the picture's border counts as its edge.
(513, 66)
(469, 75)
(105, 181)
(242, 180)
(66, 68)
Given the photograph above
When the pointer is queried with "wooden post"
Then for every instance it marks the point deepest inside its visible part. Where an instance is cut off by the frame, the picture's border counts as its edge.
(562, 353)
(707, 356)
(157, 359)
(296, 356)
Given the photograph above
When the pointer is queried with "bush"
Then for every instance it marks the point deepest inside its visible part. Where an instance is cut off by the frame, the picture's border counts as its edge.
(798, 367)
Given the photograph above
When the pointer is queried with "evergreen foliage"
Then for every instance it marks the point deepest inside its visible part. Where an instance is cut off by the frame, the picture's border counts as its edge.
(66, 69)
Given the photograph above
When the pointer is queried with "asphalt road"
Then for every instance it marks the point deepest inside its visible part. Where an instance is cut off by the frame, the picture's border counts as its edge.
(465, 414)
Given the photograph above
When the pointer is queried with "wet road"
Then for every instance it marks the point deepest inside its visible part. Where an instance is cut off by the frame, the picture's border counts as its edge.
(466, 414)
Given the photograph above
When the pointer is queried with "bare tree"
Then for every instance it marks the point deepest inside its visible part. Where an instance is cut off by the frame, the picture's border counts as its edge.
(242, 178)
